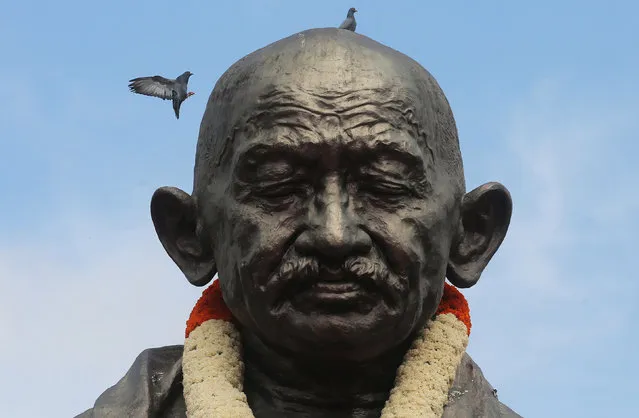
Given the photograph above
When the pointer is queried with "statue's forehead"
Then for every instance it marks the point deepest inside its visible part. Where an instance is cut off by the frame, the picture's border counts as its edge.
(289, 119)
(323, 95)
(284, 113)
(321, 107)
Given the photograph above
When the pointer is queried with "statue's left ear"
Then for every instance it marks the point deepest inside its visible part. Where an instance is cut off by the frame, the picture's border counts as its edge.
(484, 221)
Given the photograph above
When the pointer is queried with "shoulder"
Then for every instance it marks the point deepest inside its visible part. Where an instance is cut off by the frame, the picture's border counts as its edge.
(151, 387)
(472, 395)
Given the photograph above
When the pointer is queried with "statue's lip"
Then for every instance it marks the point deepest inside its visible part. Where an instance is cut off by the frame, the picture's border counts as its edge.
(325, 286)
(346, 288)
(331, 284)
(335, 296)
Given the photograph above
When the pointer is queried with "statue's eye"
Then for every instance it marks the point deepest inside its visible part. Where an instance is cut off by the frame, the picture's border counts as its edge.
(387, 189)
(384, 190)
(280, 193)
(276, 192)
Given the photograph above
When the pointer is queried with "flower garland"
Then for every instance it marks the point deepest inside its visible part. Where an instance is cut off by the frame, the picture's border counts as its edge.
(213, 370)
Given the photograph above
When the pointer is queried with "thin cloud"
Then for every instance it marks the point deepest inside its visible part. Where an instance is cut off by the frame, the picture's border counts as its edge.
(541, 298)
(78, 320)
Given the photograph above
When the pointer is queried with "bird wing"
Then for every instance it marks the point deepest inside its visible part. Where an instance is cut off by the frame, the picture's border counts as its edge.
(345, 23)
(348, 23)
(155, 86)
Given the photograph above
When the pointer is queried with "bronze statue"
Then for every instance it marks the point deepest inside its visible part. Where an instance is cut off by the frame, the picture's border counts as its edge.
(329, 195)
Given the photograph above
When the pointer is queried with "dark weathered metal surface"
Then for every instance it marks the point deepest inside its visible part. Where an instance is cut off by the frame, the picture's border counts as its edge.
(153, 388)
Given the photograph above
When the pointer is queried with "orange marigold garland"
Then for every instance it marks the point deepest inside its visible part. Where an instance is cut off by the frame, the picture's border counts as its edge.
(454, 302)
(211, 306)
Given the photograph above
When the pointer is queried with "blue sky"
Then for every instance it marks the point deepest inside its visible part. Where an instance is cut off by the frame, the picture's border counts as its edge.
(546, 100)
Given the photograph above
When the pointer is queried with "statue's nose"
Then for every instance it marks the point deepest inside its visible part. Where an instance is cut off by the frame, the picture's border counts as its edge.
(333, 231)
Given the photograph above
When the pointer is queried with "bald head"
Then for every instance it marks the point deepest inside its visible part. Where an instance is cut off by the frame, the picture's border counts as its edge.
(341, 80)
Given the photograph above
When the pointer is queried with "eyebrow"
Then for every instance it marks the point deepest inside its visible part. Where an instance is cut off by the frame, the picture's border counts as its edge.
(261, 150)
(413, 159)
(397, 151)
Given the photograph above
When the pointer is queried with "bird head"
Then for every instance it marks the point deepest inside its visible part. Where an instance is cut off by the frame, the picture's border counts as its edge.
(189, 94)
(351, 12)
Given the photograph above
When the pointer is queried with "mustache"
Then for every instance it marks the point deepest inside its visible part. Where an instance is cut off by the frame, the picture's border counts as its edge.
(310, 269)
(300, 273)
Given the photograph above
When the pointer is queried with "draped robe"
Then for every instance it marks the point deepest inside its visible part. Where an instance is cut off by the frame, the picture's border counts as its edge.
(152, 387)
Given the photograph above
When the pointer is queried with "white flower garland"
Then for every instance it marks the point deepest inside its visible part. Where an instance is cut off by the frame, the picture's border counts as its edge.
(213, 371)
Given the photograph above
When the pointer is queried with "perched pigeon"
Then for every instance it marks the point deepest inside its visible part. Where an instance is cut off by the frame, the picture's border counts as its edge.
(164, 88)
(349, 23)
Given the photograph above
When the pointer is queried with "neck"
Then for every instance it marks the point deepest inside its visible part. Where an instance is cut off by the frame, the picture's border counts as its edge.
(309, 387)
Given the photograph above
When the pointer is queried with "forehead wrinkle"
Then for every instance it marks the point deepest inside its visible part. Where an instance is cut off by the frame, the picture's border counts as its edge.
(369, 115)
(282, 97)
(301, 111)
(326, 102)
(295, 117)
(280, 103)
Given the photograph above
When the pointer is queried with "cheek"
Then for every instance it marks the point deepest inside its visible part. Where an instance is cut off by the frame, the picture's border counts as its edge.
(420, 245)
(433, 235)
(426, 246)
(410, 240)
(259, 242)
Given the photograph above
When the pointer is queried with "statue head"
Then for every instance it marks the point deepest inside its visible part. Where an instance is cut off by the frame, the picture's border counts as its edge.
(329, 195)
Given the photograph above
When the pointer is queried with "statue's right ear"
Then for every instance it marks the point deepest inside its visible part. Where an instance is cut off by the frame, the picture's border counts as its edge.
(175, 218)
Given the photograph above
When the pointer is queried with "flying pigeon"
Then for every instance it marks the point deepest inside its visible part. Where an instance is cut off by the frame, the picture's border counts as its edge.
(349, 23)
(164, 88)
